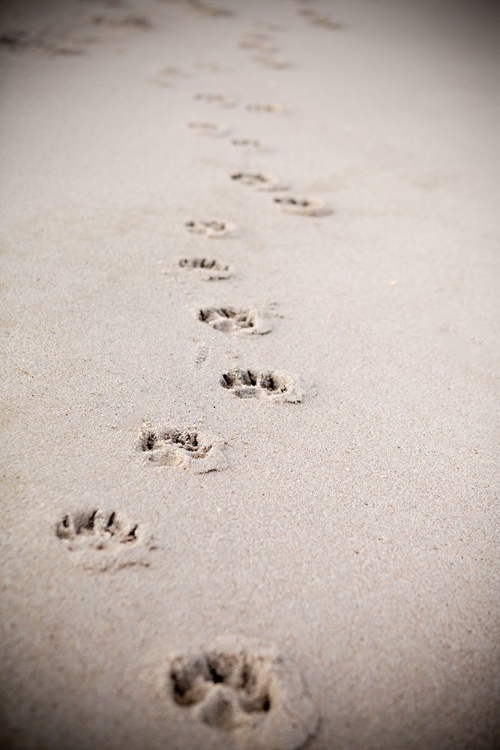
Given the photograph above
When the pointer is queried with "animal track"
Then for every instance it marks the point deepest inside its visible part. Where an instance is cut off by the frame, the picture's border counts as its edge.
(303, 206)
(318, 19)
(208, 269)
(107, 540)
(166, 75)
(268, 108)
(186, 448)
(273, 63)
(278, 386)
(42, 40)
(209, 9)
(130, 20)
(245, 143)
(247, 688)
(231, 320)
(208, 128)
(210, 228)
(221, 99)
(257, 180)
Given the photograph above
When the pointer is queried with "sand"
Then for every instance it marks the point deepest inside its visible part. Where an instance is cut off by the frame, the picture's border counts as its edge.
(250, 352)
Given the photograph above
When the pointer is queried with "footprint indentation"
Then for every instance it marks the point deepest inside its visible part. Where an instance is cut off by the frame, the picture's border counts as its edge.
(208, 269)
(107, 533)
(302, 206)
(257, 180)
(245, 142)
(271, 62)
(210, 98)
(232, 319)
(212, 129)
(187, 448)
(246, 687)
(210, 228)
(267, 108)
(279, 386)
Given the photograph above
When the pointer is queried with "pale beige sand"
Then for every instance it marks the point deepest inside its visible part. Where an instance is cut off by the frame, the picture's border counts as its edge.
(314, 546)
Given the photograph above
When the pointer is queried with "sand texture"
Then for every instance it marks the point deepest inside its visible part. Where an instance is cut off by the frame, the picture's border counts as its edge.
(250, 368)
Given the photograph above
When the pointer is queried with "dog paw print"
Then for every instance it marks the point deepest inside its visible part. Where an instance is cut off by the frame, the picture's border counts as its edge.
(246, 688)
(257, 180)
(219, 99)
(277, 386)
(207, 269)
(245, 142)
(270, 109)
(104, 540)
(234, 320)
(210, 129)
(210, 228)
(185, 448)
(292, 204)
(168, 74)
(256, 40)
(319, 19)
(271, 62)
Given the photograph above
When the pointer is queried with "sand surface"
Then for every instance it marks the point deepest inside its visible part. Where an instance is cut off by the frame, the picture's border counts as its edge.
(250, 354)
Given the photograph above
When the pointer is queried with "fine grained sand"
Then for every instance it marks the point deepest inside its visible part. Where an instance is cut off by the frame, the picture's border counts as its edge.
(249, 445)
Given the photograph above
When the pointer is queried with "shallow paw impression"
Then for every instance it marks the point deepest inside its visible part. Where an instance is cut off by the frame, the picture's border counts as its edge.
(209, 228)
(232, 319)
(267, 108)
(208, 269)
(107, 538)
(184, 448)
(247, 688)
(245, 142)
(221, 99)
(279, 386)
(257, 180)
(208, 128)
(292, 204)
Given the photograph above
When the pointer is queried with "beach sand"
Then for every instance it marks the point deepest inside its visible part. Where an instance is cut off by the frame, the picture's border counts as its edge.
(250, 355)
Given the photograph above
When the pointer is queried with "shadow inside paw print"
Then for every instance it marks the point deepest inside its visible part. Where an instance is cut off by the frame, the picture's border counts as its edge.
(231, 320)
(186, 448)
(96, 529)
(280, 386)
(247, 688)
(106, 539)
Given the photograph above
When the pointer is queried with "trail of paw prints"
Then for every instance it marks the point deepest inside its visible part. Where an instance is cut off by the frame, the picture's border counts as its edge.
(246, 688)
(266, 384)
(182, 448)
(291, 204)
(204, 268)
(104, 540)
(234, 320)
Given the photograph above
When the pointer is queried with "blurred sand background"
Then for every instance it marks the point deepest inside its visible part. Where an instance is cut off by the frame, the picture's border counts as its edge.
(355, 530)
